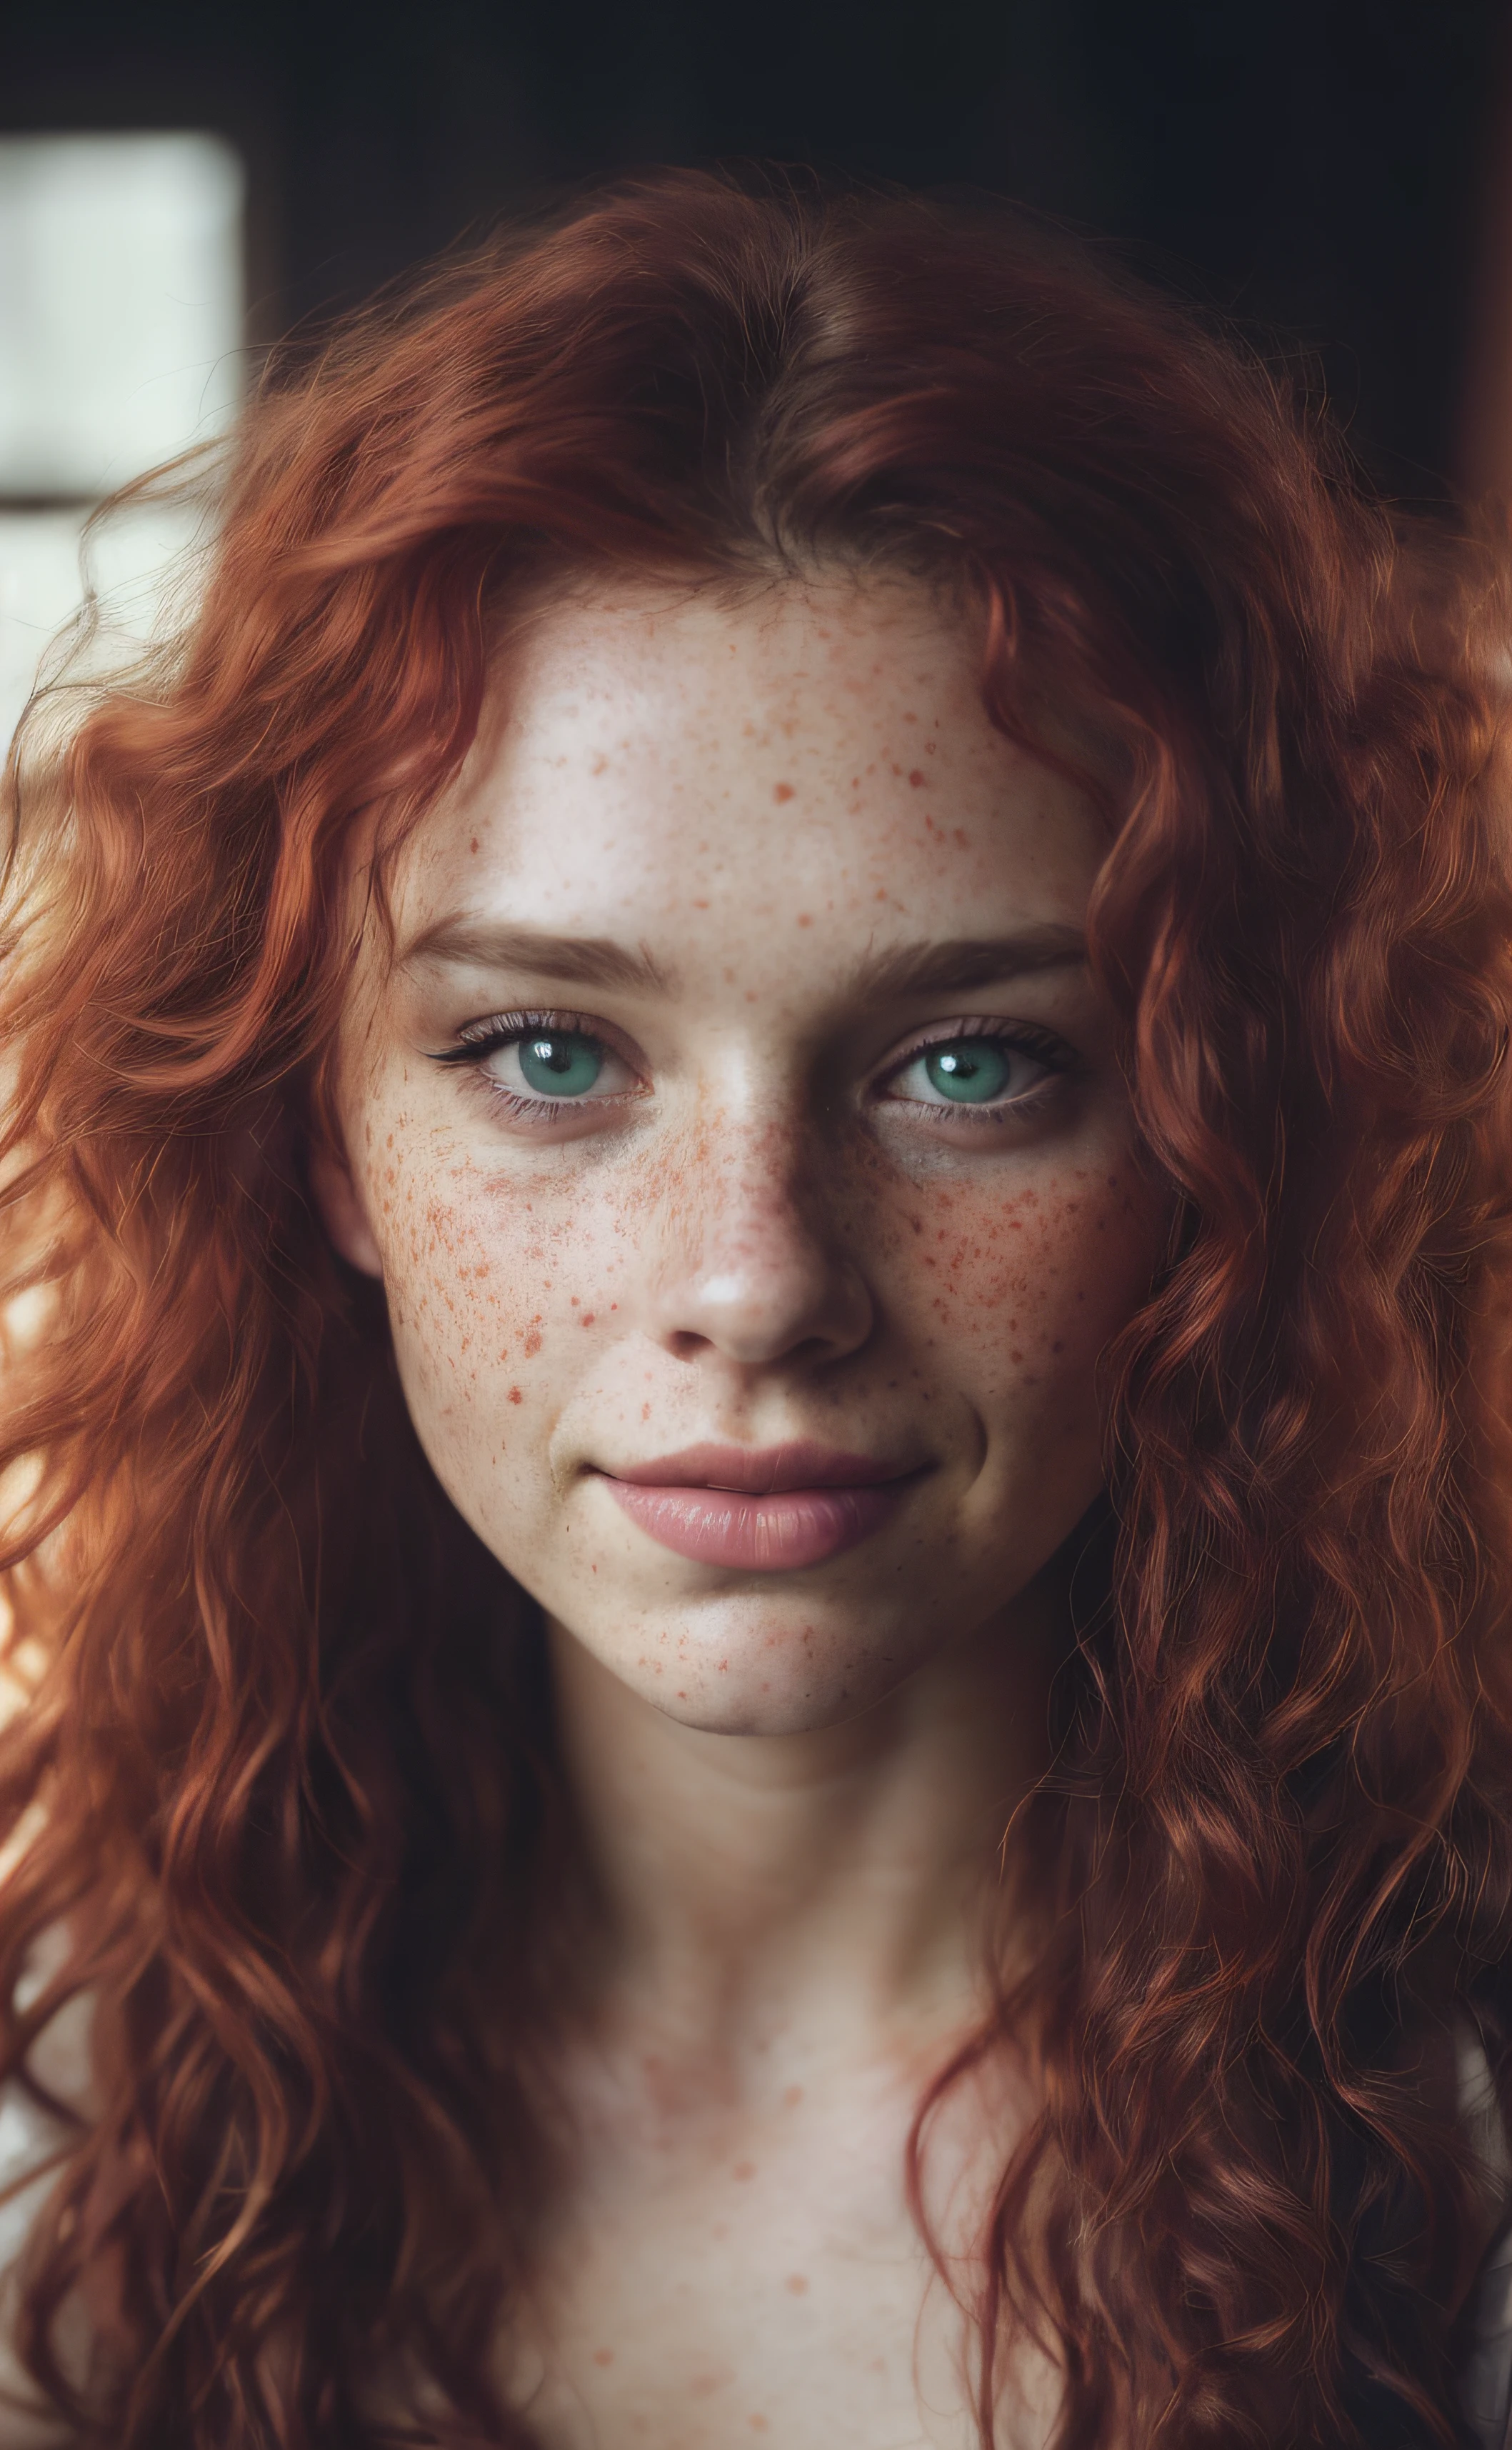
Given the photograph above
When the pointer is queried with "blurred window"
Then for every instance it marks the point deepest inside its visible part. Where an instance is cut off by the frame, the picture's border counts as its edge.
(121, 337)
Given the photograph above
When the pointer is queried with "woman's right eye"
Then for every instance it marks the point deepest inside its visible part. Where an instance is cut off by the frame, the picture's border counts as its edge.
(541, 1066)
(552, 1062)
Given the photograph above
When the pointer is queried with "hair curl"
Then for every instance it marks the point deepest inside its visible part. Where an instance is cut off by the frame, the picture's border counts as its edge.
(284, 1778)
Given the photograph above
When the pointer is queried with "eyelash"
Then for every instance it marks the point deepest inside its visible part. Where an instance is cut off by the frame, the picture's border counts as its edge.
(1060, 1060)
(477, 1040)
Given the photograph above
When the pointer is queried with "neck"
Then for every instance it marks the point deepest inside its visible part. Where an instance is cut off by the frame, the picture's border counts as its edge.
(833, 1886)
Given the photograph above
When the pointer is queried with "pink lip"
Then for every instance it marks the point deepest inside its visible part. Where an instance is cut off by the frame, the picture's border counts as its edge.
(771, 1510)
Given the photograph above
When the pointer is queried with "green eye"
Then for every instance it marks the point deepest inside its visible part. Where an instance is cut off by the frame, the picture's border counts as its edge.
(560, 1063)
(968, 1073)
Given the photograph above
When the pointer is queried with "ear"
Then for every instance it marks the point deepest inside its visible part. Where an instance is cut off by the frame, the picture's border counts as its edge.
(342, 1213)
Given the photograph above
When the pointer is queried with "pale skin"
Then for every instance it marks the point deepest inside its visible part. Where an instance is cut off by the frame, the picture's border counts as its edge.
(746, 871)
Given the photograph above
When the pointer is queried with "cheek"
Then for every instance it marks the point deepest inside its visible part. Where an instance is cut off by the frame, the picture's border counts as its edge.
(493, 1299)
(503, 1302)
(1028, 1290)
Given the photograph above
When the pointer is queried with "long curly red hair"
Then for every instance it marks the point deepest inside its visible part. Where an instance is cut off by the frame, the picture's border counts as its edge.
(282, 1800)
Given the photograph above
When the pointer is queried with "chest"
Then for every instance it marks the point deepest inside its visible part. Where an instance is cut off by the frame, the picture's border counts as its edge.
(728, 2281)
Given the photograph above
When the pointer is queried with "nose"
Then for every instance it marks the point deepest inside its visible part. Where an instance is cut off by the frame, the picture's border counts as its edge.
(753, 1266)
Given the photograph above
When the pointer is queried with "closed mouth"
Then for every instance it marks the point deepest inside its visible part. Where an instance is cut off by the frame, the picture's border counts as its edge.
(764, 1471)
(762, 1509)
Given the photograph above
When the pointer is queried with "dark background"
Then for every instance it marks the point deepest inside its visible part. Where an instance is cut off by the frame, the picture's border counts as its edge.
(1320, 170)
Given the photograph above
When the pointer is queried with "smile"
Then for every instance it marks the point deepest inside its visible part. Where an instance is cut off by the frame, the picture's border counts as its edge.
(765, 1510)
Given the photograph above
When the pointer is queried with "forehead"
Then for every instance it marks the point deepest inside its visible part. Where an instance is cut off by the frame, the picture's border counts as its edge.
(816, 748)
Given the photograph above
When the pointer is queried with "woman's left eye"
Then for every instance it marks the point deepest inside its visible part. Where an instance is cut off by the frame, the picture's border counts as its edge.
(974, 1071)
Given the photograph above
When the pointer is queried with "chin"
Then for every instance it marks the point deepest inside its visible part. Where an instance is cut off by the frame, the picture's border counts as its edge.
(776, 1712)
(759, 1679)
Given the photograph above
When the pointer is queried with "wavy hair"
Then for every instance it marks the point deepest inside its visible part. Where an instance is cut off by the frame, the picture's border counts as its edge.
(281, 1800)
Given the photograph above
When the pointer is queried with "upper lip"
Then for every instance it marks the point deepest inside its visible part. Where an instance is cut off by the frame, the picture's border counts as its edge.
(762, 1471)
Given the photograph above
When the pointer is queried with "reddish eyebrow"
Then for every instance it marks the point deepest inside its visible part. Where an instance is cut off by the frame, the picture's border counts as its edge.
(904, 970)
(888, 974)
(578, 960)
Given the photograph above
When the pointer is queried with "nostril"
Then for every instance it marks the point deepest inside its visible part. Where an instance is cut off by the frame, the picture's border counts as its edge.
(685, 1345)
(755, 1351)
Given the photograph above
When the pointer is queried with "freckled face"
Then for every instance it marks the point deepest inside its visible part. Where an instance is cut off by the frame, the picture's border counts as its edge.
(737, 1137)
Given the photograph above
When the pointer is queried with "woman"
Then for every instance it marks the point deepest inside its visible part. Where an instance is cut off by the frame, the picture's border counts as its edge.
(757, 1490)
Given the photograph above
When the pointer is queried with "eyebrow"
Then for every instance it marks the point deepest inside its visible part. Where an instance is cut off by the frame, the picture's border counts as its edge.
(895, 973)
(578, 960)
(987, 962)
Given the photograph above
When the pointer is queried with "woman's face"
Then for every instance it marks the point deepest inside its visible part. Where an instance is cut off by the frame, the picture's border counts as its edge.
(734, 1126)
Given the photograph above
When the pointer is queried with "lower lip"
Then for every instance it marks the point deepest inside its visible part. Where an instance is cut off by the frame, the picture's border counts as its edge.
(776, 1534)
